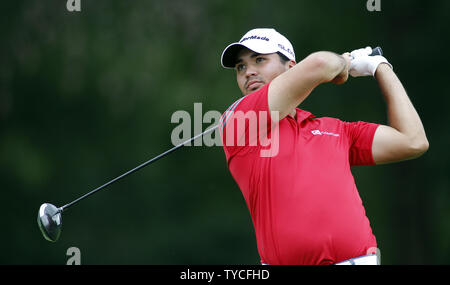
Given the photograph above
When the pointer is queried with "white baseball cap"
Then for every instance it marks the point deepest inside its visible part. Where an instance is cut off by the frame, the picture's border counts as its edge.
(263, 41)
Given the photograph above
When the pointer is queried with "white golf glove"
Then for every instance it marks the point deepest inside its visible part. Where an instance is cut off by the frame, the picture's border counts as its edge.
(364, 65)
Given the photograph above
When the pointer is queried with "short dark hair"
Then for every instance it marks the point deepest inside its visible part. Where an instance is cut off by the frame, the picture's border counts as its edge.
(283, 58)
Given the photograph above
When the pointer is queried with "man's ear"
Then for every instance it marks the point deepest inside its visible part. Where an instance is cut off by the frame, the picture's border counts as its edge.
(291, 63)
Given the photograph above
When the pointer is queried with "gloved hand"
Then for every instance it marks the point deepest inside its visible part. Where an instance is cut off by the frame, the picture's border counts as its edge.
(362, 64)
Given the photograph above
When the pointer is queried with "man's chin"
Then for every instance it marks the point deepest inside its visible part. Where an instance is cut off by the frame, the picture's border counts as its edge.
(251, 90)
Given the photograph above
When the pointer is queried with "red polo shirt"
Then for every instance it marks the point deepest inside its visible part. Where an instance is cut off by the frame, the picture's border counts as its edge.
(303, 200)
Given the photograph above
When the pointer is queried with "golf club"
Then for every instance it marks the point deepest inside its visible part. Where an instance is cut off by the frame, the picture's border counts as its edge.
(376, 51)
(49, 216)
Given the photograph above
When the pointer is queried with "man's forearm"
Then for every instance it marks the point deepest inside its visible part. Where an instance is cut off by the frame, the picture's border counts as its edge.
(402, 115)
(333, 65)
(292, 87)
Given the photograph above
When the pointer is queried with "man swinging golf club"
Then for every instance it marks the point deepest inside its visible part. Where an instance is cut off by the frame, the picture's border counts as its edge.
(303, 200)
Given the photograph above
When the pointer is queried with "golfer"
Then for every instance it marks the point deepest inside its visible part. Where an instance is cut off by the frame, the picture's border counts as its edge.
(301, 194)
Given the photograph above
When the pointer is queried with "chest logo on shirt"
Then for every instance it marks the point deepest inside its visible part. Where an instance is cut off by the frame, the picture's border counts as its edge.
(317, 132)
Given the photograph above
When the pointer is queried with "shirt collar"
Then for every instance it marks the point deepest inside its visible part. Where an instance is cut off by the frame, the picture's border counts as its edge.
(302, 115)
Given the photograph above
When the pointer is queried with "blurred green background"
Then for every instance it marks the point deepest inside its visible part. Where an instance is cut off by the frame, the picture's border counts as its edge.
(86, 96)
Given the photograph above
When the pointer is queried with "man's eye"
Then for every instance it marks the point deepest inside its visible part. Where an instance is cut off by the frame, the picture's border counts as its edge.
(240, 67)
(259, 59)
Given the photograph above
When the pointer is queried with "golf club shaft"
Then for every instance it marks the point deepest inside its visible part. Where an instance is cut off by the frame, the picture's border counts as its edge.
(61, 209)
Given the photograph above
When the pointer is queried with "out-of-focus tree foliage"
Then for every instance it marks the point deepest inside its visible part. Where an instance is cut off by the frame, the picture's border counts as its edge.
(86, 96)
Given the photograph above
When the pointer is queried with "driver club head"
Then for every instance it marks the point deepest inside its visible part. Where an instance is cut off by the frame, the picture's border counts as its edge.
(49, 221)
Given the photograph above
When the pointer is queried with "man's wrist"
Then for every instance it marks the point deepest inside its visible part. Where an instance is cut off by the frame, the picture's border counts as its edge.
(382, 68)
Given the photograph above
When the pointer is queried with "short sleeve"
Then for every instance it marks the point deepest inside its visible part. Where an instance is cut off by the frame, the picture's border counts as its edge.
(360, 135)
(240, 126)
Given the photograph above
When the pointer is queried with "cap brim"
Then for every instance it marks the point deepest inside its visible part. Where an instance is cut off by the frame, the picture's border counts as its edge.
(229, 55)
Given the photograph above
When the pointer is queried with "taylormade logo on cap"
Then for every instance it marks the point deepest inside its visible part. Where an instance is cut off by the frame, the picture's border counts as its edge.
(263, 41)
(254, 38)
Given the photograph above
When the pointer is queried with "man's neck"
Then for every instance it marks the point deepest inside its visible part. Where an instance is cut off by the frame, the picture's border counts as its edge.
(293, 113)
